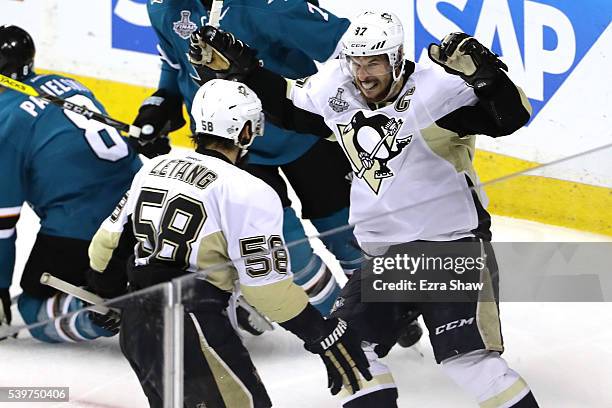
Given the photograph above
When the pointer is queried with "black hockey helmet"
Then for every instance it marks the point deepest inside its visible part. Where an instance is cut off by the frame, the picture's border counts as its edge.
(16, 52)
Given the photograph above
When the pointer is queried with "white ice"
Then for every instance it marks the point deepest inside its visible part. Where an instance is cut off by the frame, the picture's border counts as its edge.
(563, 350)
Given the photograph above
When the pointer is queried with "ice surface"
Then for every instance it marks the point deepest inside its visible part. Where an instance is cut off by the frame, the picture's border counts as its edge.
(562, 349)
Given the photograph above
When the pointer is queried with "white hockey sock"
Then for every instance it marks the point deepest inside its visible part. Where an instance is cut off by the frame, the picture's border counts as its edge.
(487, 377)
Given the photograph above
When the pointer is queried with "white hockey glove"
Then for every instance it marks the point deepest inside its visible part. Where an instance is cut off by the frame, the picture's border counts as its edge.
(460, 54)
(366, 160)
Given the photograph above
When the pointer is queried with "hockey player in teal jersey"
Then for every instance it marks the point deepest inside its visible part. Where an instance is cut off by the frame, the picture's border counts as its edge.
(289, 35)
(72, 171)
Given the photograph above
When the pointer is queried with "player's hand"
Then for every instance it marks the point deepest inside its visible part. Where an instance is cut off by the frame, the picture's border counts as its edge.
(159, 114)
(366, 161)
(110, 321)
(230, 58)
(5, 309)
(159, 146)
(342, 355)
(462, 55)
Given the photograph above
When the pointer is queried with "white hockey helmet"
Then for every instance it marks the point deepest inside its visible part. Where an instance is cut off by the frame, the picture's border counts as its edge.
(375, 33)
(222, 108)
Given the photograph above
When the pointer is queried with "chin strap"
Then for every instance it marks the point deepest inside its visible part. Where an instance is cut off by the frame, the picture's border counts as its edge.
(396, 85)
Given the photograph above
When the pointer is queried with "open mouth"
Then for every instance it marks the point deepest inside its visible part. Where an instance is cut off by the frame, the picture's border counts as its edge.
(368, 85)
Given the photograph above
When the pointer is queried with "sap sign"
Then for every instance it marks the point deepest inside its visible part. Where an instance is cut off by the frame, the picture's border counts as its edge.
(541, 41)
(131, 29)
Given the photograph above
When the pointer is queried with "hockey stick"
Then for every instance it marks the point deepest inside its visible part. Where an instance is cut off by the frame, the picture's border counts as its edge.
(259, 320)
(215, 16)
(79, 293)
(17, 86)
(371, 155)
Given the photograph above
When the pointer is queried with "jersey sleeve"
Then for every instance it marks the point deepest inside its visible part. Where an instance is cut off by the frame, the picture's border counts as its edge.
(257, 249)
(495, 113)
(288, 104)
(170, 67)
(12, 186)
(311, 29)
(114, 241)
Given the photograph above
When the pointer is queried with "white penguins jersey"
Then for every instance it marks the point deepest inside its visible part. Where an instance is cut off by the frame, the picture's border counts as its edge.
(194, 212)
(409, 179)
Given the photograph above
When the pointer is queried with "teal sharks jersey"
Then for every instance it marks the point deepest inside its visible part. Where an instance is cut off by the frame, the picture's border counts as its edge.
(71, 170)
(289, 35)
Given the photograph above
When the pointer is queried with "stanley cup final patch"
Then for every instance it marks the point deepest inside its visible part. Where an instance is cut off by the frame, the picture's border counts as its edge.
(337, 103)
(185, 27)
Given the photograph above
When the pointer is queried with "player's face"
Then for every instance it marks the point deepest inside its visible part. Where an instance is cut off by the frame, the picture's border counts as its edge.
(372, 75)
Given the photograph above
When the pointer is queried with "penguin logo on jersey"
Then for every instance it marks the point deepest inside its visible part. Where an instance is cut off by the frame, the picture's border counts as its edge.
(370, 143)
(387, 17)
(185, 27)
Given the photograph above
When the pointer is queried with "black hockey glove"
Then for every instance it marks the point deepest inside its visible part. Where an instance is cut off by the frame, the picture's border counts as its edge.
(462, 55)
(5, 307)
(342, 355)
(158, 115)
(159, 146)
(338, 346)
(230, 58)
(110, 321)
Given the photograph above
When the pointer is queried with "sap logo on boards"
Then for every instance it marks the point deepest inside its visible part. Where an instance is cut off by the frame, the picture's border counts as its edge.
(542, 41)
(131, 28)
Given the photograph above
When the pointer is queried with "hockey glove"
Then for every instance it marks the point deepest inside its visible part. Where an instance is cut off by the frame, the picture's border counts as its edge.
(159, 114)
(159, 146)
(5, 309)
(460, 54)
(342, 355)
(110, 321)
(336, 343)
(231, 58)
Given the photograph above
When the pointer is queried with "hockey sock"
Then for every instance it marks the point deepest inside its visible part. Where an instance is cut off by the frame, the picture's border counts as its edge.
(487, 377)
(77, 327)
(342, 243)
(309, 270)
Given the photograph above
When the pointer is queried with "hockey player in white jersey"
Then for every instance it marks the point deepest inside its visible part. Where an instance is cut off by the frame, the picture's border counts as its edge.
(192, 211)
(407, 131)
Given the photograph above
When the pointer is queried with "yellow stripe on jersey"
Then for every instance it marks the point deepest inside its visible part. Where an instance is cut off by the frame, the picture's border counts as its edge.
(213, 252)
(280, 301)
(101, 249)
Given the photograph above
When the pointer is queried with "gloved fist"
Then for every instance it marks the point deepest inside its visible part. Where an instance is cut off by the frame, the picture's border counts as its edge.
(5, 307)
(462, 55)
(214, 49)
(159, 146)
(366, 160)
(5, 310)
(158, 115)
(342, 355)
(110, 321)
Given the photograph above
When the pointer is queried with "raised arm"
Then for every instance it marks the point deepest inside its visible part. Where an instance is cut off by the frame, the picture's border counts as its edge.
(502, 107)
(234, 60)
